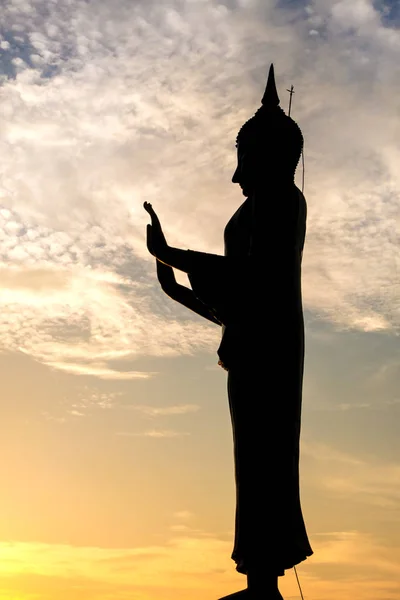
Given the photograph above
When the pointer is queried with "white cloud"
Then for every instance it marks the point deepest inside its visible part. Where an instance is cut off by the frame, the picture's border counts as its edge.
(156, 411)
(155, 433)
(80, 320)
(98, 370)
(355, 13)
(116, 103)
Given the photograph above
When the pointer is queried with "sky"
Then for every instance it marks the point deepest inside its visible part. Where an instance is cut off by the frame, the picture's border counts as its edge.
(117, 470)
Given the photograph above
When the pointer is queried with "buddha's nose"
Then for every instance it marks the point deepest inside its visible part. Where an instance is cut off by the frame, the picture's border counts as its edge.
(235, 178)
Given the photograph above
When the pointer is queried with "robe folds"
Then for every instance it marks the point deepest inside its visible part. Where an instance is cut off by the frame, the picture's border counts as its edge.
(255, 292)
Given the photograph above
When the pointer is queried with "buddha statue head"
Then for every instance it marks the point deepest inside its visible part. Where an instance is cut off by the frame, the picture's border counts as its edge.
(269, 145)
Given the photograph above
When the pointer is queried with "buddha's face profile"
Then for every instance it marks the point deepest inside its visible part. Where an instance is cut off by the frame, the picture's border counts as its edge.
(245, 174)
(249, 172)
(260, 166)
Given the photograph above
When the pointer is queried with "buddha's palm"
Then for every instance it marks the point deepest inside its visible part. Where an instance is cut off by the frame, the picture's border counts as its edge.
(155, 234)
(165, 273)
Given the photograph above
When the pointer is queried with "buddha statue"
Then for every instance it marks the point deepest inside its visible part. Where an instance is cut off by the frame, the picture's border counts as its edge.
(253, 292)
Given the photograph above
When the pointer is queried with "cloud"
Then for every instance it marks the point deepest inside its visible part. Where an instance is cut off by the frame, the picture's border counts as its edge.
(107, 105)
(182, 528)
(99, 370)
(87, 399)
(155, 433)
(183, 515)
(352, 564)
(344, 406)
(51, 417)
(80, 320)
(373, 482)
(91, 397)
(155, 411)
(184, 565)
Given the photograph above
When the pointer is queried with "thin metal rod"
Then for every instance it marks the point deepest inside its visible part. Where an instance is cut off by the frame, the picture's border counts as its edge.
(291, 92)
(298, 583)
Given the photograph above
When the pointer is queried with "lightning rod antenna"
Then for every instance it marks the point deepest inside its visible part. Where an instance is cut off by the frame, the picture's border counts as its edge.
(291, 92)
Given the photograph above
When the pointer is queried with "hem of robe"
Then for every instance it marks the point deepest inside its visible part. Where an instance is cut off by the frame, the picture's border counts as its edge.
(242, 567)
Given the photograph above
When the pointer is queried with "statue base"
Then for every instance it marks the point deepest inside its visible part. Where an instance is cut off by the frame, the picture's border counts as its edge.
(245, 595)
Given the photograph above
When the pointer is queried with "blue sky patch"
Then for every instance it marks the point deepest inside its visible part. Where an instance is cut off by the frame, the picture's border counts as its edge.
(390, 12)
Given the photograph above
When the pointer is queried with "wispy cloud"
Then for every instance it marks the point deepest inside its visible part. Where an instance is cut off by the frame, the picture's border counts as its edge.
(91, 397)
(155, 433)
(155, 411)
(350, 564)
(106, 105)
(86, 400)
(344, 406)
(186, 564)
(183, 515)
(76, 413)
(374, 482)
(99, 370)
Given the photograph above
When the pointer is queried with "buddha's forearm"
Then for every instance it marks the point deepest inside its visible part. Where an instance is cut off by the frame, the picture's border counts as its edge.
(186, 297)
(189, 261)
(166, 277)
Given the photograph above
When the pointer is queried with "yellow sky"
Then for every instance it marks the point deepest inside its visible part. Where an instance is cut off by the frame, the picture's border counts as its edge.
(91, 513)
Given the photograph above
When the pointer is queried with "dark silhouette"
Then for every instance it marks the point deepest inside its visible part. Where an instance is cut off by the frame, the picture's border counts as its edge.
(254, 292)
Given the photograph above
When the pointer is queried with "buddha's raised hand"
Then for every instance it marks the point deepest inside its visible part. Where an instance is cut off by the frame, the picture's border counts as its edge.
(156, 241)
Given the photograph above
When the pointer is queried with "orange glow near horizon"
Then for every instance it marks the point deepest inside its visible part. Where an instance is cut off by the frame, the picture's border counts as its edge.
(195, 568)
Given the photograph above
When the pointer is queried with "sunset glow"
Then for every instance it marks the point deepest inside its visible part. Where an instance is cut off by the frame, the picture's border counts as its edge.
(116, 443)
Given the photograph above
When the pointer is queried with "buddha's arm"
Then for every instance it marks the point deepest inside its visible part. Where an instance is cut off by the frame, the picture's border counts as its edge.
(270, 228)
(189, 261)
(180, 293)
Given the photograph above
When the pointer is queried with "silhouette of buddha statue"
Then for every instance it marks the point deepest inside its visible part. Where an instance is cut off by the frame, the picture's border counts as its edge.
(254, 293)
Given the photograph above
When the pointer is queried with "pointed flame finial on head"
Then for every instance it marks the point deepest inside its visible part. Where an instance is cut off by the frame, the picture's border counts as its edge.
(270, 98)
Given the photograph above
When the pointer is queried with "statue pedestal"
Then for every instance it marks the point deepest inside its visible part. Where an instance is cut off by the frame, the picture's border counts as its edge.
(261, 594)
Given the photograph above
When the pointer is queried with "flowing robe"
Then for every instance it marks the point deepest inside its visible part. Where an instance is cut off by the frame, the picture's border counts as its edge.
(255, 290)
